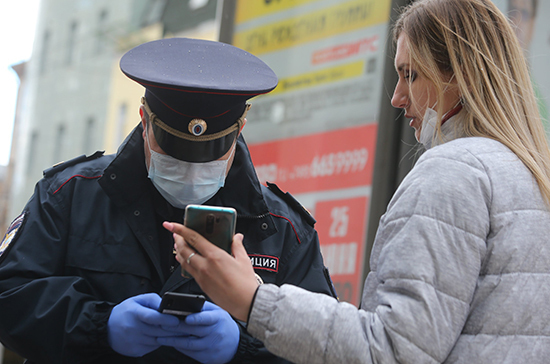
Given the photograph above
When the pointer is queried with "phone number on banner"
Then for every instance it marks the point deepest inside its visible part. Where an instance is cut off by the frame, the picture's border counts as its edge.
(349, 161)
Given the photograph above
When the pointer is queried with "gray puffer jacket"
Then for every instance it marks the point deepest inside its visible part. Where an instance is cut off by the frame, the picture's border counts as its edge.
(460, 273)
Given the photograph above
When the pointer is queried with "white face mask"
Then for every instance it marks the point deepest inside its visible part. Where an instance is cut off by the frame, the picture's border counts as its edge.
(428, 133)
(182, 183)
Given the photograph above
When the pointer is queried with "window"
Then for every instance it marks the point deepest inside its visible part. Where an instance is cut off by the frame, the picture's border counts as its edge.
(152, 12)
(71, 40)
(59, 142)
(197, 4)
(101, 34)
(44, 51)
(119, 127)
(88, 136)
(32, 152)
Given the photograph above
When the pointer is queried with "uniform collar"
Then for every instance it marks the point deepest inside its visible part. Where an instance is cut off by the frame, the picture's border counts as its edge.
(242, 189)
(125, 178)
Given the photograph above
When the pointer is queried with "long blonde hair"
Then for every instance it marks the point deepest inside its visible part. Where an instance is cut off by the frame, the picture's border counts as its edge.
(474, 42)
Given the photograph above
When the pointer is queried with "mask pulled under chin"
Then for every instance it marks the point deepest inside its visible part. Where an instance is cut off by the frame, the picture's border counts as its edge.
(182, 183)
(428, 133)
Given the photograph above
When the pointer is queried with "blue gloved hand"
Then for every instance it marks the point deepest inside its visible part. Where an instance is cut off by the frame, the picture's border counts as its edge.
(135, 324)
(210, 336)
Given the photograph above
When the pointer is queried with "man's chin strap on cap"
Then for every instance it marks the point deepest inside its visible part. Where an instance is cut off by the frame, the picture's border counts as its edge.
(202, 138)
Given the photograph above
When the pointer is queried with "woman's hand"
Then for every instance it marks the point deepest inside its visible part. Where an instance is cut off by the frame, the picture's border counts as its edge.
(228, 280)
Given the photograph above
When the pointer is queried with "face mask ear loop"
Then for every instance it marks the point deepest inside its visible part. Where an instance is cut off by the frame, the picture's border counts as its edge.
(439, 123)
(234, 147)
(147, 141)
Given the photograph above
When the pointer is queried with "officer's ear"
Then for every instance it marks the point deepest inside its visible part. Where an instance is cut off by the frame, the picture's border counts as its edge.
(143, 115)
(242, 127)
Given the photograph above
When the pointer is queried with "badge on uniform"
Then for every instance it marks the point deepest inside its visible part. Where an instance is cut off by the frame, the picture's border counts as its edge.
(12, 232)
(264, 262)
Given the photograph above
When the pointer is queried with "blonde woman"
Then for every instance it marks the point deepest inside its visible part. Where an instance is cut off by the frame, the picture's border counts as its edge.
(461, 261)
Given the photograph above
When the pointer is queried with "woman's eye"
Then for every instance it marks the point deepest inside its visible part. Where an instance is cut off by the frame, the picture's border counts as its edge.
(410, 76)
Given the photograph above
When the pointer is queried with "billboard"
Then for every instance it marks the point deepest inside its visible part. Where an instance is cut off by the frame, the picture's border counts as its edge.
(315, 134)
(328, 55)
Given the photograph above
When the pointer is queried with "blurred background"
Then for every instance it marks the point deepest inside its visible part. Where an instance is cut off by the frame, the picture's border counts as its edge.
(327, 133)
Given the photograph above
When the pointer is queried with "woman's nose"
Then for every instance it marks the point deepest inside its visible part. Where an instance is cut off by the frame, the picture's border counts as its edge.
(399, 99)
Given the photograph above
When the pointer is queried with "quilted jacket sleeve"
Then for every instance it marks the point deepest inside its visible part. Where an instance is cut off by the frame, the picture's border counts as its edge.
(425, 264)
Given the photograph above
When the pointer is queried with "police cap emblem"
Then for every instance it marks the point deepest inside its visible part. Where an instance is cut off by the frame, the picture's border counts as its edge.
(197, 127)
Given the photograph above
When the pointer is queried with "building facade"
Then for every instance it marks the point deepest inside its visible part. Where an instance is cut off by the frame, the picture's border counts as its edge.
(73, 98)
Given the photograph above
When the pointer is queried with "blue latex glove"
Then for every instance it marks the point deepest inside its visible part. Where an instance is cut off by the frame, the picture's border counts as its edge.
(135, 324)
(210, 336)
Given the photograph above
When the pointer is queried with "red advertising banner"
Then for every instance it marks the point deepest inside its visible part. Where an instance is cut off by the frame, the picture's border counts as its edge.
(341, 225)
(330, 160)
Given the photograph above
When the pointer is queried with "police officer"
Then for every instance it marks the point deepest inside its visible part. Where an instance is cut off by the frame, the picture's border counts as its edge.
(83, 268)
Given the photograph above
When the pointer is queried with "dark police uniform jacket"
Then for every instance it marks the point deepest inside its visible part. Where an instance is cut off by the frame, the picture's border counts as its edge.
(91, 236)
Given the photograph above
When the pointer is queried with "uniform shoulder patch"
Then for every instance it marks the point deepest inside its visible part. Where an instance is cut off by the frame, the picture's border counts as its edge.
(289, 199)
(62, 165)
(12, 232)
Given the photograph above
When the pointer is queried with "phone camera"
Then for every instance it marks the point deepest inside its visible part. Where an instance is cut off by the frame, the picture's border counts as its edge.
(210, 223)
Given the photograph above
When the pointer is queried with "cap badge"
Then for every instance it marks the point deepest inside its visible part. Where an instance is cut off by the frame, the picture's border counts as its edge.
(197, 127)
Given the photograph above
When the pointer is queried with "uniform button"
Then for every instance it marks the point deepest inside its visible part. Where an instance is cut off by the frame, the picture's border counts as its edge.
(143, 281)
(113, 176)
(264, 226)
(150, 237)
(136, 213)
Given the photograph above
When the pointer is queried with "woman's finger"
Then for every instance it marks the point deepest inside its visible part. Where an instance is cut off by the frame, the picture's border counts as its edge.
(184, 252)
(191, 237)
(237, 248)
(187, 254)
(192, 248)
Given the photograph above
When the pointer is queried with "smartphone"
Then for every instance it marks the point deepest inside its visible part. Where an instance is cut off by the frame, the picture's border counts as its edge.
(216, 224)
(181, 304)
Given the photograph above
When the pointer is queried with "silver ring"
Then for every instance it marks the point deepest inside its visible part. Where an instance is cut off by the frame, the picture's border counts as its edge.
(189, 258)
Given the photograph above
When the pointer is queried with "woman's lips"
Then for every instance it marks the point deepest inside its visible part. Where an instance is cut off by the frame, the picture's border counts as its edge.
(413, 123)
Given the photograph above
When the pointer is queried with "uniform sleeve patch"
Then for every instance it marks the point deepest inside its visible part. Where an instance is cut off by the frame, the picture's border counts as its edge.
(12, 232)
(265, 262)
